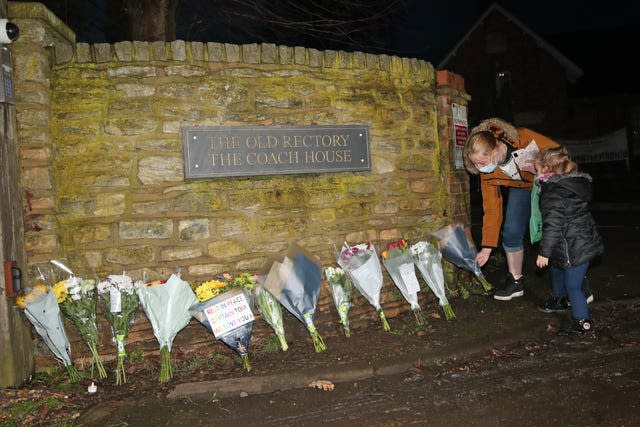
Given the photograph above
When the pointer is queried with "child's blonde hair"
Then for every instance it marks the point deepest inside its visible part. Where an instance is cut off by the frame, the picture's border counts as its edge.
(555, 160)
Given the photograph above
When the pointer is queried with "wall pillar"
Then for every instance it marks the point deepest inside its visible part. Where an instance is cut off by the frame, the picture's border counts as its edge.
(25, 181)
(450, 90)
(44, 42)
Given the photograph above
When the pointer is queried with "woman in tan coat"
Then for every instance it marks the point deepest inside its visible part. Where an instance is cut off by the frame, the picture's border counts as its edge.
(503, 156)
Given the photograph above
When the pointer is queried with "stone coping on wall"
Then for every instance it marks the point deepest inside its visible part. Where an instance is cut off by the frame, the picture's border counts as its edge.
(253, 53)
(191, 51)
(38, 11)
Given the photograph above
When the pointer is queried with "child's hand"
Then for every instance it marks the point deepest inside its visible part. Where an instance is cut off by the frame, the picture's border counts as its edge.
(542, 261)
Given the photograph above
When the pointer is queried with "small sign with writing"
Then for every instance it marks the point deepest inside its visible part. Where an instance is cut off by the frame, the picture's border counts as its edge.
(274, 150)
(231, 310)
(460, 123)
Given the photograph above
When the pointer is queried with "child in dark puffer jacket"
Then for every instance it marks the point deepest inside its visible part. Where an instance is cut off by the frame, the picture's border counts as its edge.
(570, 239)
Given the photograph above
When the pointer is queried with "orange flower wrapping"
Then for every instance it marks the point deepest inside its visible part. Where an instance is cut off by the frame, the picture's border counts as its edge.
(155, 282)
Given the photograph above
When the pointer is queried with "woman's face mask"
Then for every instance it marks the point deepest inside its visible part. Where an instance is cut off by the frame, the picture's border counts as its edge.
(488, 168)
(483, 161)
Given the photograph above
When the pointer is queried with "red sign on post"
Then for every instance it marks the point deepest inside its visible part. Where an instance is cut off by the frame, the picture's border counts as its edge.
(460, 124)
(462, 132)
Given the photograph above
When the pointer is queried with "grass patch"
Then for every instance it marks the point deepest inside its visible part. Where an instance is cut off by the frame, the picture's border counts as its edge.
(271, 344)
(26, 407)
(56, 378)
(136, 355)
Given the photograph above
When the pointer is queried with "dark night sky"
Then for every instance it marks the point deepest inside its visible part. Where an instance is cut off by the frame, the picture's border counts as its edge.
(437, 26)
(431, 29)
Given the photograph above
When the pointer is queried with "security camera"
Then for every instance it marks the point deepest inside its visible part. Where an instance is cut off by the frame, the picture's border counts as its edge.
(8, 31)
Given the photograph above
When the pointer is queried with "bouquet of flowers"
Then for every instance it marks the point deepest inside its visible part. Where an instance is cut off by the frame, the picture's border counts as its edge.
(271, 311)
(77, 300)
(209, 289)
(340, 287)
(119, 301)
(460, 251)
(41, 309)
(429, 262)
(398, 261)
(363, 267)
(226, 310)
(296, 284)
(166, 305)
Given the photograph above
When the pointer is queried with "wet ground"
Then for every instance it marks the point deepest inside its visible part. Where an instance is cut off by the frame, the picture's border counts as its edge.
(497, 364)
(548, 381)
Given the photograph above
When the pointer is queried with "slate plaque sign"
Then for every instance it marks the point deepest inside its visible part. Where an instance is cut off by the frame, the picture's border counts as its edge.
(274, 150)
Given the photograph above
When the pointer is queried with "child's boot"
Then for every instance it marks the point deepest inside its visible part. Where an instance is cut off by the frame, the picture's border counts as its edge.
(579, 326)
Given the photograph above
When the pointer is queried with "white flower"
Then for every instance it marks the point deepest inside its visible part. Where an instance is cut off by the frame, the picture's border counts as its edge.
(87, 286)
(121, 282)
(103, 286)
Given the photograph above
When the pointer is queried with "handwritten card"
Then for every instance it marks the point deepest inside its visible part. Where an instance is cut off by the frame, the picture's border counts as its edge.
(228, 314)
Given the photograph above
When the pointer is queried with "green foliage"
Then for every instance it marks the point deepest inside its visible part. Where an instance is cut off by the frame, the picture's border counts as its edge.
(136, 355)
(439, 362)
(219, 357)
(271, 344)
(30, 406)
(193, 364)
(57, 378)
(66, 424)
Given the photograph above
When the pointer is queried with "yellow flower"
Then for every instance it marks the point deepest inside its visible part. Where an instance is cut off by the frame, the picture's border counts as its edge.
(21, 301)
(209, 289)
(60, 291)
(31, 295)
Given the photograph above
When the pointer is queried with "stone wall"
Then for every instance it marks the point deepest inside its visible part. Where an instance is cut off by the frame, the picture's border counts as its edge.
(102, 162)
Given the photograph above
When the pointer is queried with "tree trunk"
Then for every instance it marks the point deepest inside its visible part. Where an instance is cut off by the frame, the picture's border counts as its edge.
(151, 20)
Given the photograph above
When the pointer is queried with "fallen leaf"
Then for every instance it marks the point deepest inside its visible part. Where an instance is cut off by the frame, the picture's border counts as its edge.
(43, 410)
(322, 384)
(419, 366)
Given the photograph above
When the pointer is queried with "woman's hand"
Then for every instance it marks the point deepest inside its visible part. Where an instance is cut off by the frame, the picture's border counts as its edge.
(542, 261)
(483, 256)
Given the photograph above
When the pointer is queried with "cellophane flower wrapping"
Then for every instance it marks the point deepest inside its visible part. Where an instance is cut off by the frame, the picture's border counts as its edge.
(229, 317)
(398, 262)
(271, 311)
(456, 248)
(76, 297)
(429, 262)
(119, 301)
(231, 312)
(340, 287)
(41, 309)
(362, 264)
(525, 158)
(167, 308)
(295, 283)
